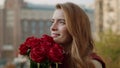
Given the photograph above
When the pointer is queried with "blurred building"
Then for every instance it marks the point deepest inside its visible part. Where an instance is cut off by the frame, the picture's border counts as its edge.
(107, 15)
(18, 20)
(1, 28)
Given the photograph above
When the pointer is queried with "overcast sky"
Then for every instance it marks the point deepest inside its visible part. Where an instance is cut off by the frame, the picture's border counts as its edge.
(53, 2)
(59, 1)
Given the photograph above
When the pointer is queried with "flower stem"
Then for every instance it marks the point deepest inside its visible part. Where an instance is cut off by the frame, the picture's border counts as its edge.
(56, 65)
(33, 64)
(38, 65)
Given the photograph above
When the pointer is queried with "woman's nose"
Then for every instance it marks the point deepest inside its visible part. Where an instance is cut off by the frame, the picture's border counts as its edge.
(53, 27)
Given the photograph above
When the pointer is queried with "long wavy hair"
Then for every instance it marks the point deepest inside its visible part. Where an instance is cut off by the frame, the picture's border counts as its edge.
(78, 26)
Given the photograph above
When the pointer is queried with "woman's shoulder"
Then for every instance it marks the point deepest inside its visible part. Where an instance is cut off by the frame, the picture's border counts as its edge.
(97, 64)
(97, 61)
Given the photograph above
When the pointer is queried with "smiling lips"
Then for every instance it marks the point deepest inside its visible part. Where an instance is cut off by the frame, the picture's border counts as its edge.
(55, 35)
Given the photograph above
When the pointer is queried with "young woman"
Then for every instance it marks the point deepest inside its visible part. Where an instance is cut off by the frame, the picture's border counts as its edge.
(71, 29)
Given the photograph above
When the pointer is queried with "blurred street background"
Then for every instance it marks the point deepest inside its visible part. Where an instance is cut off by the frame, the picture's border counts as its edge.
(20, 19)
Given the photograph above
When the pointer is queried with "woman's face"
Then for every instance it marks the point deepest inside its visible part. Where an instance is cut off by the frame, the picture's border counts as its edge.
(58, 28)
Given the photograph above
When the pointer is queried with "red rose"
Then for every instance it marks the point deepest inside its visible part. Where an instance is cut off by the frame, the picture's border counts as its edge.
(42, 49)
(32, 42)
(47, 38)
(46, 46)
(23, 49)
(56, 53)
(38, 54)
(47, 42)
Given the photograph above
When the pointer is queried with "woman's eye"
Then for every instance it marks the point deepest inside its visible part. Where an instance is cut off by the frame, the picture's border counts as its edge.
(62, 22)
(51, 21)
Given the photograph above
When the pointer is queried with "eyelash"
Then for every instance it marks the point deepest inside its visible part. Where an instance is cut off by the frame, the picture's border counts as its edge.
(62, 22)
(51, 22)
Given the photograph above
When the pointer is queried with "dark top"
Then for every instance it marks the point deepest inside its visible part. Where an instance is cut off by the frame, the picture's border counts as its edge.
(93, 56)
(98, 58)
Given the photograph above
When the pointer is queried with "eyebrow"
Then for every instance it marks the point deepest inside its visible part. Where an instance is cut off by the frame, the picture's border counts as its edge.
(59, 19)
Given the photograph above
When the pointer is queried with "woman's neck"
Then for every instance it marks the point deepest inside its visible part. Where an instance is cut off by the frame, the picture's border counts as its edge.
(67, 56)
(67, 48)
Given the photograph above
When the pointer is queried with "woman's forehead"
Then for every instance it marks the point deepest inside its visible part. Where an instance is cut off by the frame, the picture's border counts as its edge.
(58, 14)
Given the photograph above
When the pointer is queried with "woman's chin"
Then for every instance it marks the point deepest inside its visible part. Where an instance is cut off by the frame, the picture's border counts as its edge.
(57, 40)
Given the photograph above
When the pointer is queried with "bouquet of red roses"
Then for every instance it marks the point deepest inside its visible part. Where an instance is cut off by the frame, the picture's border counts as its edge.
(42, 52)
